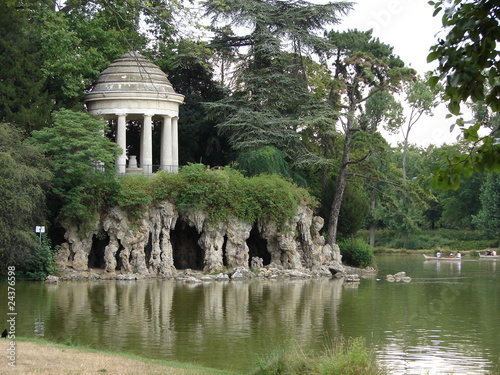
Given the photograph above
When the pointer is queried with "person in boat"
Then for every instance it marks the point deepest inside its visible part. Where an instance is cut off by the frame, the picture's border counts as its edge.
(459, 255)
(488, 252)
(438, 254)
(452, 255)
(494, 253)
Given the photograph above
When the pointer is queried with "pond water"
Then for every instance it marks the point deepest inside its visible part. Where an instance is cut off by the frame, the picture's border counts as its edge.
(446, 320)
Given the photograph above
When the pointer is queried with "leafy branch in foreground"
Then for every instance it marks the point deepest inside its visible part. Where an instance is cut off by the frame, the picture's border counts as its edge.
(469, 66)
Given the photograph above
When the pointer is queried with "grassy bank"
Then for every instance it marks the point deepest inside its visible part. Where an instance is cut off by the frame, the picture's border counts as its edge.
(46, 358)
(34, 356)
(442, 239)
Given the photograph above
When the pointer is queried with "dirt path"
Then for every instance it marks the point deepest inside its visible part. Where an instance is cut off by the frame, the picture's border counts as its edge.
(52, 359)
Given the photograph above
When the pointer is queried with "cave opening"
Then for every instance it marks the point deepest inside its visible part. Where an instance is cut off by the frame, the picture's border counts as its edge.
(148, 249)
(96, 255)
(257, 247)
(224, 255)
(187, 253)
(119, 263)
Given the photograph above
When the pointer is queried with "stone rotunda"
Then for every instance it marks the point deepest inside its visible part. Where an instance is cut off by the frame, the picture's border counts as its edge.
(134, 89)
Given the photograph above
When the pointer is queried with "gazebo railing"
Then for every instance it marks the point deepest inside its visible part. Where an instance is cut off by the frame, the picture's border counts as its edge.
(146, 169)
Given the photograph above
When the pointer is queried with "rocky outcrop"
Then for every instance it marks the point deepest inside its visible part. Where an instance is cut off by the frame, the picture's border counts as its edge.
(164, 240)
(398, 277)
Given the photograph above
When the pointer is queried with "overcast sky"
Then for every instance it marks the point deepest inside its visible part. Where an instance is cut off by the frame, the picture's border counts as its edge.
(409, 27)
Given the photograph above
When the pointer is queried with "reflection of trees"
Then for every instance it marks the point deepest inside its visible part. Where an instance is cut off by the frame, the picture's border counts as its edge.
(219, 323)
(217, 319)
(115, 315)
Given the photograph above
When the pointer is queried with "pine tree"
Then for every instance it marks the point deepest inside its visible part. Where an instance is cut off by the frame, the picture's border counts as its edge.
(270, 94)
(362, 66)
(24, 99)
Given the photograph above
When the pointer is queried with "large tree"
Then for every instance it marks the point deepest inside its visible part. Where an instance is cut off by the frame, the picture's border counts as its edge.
(191, 73)
(421, 99)
(24, 181)
(361, 67)
(24, 99)
(51, 54)
(270, 93)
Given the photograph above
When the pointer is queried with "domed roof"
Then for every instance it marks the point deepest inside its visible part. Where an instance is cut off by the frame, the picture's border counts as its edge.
(132, 73)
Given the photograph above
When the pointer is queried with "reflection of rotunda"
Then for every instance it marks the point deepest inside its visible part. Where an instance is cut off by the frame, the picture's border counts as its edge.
(133, 88)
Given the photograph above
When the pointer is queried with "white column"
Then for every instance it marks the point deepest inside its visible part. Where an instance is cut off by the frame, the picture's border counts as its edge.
(166, 145)
(121, 140)
(175, 145)
(147, 145)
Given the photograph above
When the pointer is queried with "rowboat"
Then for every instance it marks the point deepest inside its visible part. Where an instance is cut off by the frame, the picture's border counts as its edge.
(484, 256)
(431, 257)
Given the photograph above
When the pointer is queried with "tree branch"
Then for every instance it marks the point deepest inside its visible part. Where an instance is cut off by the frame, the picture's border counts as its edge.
(359, 160)
(368, 177)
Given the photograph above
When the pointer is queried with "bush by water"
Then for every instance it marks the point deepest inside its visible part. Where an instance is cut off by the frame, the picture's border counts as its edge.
(345, 357)
(356, 252)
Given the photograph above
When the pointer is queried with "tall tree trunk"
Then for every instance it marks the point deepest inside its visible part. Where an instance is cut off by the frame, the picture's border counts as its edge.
(405, 151)
(372, 225)
(339, 190)
(405, 200)
(326, 169)
(405, 239)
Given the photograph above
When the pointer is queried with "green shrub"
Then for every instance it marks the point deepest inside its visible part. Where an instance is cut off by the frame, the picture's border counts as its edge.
(82, 162)
(134, 195)
(287, 361)
(41, 263)
(350, 357)
(356, 252)
(346, 357)
(220, 193)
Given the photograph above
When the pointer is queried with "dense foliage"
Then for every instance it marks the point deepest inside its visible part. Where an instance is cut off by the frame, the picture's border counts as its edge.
(273, 91)
(24, 182)
(41, 263)
(425, 239)
(83, 164)
(221, 193)
(488, 217)
(356, 252)
(469, 66)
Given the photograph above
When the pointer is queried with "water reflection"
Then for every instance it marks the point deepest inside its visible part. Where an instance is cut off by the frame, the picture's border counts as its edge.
(444, 321)
(196, 322)
(432, 354)
(444, 266)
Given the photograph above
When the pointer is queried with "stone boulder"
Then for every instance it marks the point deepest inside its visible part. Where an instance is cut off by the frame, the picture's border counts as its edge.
(398, 277)
(241, 273)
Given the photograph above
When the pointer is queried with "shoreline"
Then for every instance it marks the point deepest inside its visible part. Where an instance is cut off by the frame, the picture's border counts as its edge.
(387, 250)
(43, 357)
(196, 276)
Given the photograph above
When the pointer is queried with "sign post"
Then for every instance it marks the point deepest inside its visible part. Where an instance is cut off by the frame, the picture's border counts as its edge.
(40, 229)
